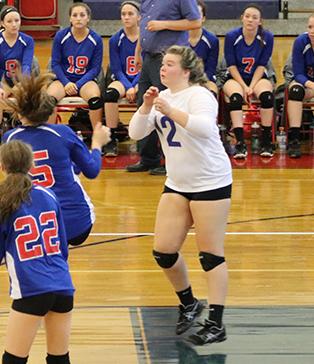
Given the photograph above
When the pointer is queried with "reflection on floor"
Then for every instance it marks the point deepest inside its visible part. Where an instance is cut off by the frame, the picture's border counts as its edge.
(256, 335)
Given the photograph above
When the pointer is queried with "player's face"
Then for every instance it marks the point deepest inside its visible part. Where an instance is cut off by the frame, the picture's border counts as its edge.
(79, 17)
(201, 12)
(12, 22)
(129, 16)
(310, 28)
(171, 71)
(251, 19)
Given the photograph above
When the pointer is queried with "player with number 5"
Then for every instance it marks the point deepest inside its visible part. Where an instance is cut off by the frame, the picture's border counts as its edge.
(76, 60)
(247, 52)
(35, 250)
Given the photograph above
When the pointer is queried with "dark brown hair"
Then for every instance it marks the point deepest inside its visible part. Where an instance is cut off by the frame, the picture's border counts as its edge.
(30, 98)
(87, 8)
(203, 7)
(16, 159)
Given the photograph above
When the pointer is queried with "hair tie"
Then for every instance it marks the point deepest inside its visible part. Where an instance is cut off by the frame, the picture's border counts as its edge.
(133, 3)
(6, 11)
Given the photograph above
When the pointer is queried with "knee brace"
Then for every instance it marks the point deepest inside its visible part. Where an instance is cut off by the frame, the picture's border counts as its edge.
(58, 359)
(165, 260)
(210, 261)
(95, 103)
(8, 358)
(267, 100)
(296, 93)
(111, 95)
(236, 101)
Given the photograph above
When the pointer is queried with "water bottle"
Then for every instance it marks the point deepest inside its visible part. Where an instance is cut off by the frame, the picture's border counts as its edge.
(255, 146)
(282, 140)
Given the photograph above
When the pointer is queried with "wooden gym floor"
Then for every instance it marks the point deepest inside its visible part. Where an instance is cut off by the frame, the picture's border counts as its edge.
(125, 311)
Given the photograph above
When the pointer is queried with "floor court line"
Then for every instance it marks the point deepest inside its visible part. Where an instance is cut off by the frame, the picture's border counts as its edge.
(227, 233)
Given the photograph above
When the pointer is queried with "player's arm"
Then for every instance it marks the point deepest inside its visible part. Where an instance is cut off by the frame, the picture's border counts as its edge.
(298, 63)
(56, 60)
(95, 65)
(28, 56)
(176, 25)
(211, 62)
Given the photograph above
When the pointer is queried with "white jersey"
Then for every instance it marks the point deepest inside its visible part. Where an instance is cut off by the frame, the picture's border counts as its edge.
(195, 157)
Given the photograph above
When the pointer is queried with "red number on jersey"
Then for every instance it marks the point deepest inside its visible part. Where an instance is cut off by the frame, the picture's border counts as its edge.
(43, 172)
(249, 61)
(131, 69)
(22, 241)
(48, 233)
(79, 66)
(10, 67)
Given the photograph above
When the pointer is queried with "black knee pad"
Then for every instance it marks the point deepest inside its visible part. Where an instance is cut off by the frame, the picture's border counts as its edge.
(267, 100)
(8, 358)
(111, 95)
(95, 103)
(210, 261)
(296, 93)
(236, 101)
(58, 359)
(165, 260)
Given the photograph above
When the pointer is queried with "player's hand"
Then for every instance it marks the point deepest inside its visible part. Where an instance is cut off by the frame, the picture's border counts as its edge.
(2, 94)
(248, 92)
(101, 136)
(156, 25)
(71, 89)
(162, 106)
(131, 94)
(138, 61)
(150, 95)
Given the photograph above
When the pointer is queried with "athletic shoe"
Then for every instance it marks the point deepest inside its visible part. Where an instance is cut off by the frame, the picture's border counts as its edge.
(210, 333)
(187, 314)
(158, 171)
(240, 151)
(111, 149)
(267, 151)
(294, 149)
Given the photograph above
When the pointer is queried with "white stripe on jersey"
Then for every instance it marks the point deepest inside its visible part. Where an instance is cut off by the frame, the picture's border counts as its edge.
(260, 39)
(306, 48)
(49, 129)
(68, 35)
(92, 39)
(37, 187)
(238, 40)
(18, 130)
(122, 35)
(1, 40)
(204, 39)
(22, 41)
(87, 199)
(15, 285)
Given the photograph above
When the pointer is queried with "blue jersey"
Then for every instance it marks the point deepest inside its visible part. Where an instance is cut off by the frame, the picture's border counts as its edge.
(248, 57)
(19, 55)
(56, 148)
(303, 59)
(208, 49)
(34, 246)
(77, 62)
(122, 65)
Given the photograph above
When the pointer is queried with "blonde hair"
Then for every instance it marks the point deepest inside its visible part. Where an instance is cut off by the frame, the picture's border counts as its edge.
(191, 62)
(30, 98)
(16, 159)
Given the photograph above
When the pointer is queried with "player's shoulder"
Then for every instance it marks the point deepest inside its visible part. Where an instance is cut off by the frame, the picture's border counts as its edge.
(27, 38)
(234, 33)
(209, 35)
(95, 36)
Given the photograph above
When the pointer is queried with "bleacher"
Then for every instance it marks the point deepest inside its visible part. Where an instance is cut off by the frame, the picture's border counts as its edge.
(222, 9)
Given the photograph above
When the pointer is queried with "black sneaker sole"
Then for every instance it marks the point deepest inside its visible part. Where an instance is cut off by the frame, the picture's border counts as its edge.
(194, 341)
(201, 308)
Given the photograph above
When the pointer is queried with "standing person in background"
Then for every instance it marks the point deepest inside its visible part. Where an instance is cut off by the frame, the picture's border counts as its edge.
(16, 48)
(206, 46)
(58, 151)
(162, 24)
(76, 60)
(302, 86)
(35, 249)
(247, 52)
(124, 73)
(198, 187)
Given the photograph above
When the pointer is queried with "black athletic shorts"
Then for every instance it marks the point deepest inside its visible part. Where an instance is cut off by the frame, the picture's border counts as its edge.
(211, 195)
(41, 304)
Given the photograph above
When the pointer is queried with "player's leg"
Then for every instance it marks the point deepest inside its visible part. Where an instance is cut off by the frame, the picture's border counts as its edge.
(234, 97)
(173, 221)
(55, 89)
(210, 220)
(90, 92)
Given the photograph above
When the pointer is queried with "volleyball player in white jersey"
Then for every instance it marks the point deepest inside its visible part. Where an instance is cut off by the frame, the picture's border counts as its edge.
(198, 185)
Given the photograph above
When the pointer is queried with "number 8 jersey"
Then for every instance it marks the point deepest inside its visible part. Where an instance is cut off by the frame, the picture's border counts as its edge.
(247, 57)
(77, 62)
(34, 246)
